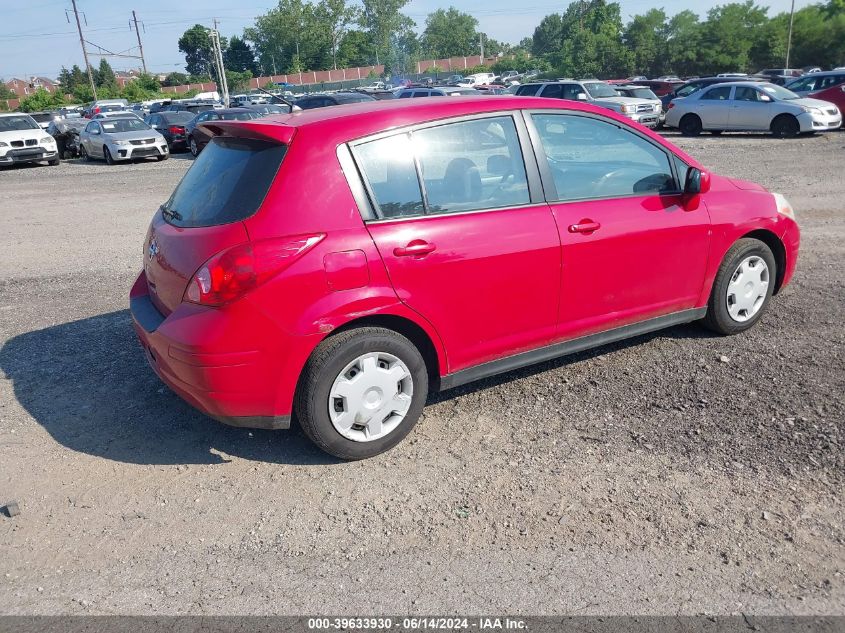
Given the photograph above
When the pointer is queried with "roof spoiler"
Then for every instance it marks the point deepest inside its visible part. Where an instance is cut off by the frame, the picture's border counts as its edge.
(263, 131)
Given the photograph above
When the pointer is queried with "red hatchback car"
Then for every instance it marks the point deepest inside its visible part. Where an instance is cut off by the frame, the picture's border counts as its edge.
(340, 263)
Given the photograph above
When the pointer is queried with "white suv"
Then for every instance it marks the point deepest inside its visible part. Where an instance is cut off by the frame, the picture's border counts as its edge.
(23, 141)
(598, 93)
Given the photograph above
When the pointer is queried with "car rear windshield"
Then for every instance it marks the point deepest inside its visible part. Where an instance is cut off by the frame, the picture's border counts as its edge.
(177, 117)
(14, 123)
(227, 183)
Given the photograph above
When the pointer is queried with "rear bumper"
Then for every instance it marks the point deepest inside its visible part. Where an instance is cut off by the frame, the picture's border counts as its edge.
(191, 353)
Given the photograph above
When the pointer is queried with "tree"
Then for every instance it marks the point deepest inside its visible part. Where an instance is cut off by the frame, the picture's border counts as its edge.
(104, 76)
(354, 50)
(548, 36)
(646, 37)
(383, 21)
(239, 57)
(236, 81)
(450, 33)
(586, 41)
(41, 100)
(683, 41)
(336, 17)
(5, 92)
(147, 82)
(196, 45)
(728, 36)
(291, 29)
(175, 79)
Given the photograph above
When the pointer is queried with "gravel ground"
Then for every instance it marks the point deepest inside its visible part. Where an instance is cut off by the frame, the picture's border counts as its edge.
(650, 477)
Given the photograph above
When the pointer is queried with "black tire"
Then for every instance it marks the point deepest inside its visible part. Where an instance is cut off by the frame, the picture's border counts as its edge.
(716, 132)
(83, 154)
(53, 162)
(690, 125)
(107, 155)
(162, 157)
(786, 126)
(194, 148)
(718, 318)
(327, 361)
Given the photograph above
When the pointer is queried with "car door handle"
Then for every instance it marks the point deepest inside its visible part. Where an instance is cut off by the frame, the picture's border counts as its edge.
(584, 226)
(415, 248)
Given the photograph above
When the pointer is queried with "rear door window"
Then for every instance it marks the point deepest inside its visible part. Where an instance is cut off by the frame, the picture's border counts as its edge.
(227, 183)
(719, 93)
(528, 90)
(388, 165)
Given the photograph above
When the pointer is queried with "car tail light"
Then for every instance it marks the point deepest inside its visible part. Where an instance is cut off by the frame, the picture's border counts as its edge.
(96, 111)
(177, 129)
(671, 105)
(231, 273)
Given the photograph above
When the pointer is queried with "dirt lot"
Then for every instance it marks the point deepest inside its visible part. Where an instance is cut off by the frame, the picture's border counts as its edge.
(647, 477)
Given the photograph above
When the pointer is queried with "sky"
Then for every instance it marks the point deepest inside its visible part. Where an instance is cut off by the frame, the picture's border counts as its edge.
(36, 38)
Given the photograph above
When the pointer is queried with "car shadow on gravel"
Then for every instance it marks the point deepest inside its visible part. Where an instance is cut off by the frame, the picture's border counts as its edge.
(88, 384)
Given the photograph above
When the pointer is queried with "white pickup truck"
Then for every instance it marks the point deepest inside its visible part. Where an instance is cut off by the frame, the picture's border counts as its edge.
(598, 93)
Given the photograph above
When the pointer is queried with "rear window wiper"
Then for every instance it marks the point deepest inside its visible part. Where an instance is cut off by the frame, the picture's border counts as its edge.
(170, 214)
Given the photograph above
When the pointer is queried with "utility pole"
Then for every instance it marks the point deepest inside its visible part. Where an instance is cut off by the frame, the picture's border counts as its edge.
(140, 47)
(84, 52)
(481, 43)
(789, 37)
(218, 61)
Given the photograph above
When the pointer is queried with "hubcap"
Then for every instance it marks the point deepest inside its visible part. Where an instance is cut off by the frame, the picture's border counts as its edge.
(370, 397)
(748, 288)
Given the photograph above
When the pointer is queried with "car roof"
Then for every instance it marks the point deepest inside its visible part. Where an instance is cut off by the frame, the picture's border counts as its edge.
(344, 123)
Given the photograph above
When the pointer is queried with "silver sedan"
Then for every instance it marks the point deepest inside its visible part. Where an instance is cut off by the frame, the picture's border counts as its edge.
(751, 106)
(122, 138)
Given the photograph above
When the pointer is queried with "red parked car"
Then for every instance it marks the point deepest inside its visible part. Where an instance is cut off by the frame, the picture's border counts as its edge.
(827, 86)
(338, 264)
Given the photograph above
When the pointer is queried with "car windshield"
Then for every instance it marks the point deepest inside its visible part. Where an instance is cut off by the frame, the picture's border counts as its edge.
(118, 126)
(42, 116)
(641, 93)
(13, 123)
(353, 98)
(236, 116)
(599, 90)
(779, 92)
(178, 117)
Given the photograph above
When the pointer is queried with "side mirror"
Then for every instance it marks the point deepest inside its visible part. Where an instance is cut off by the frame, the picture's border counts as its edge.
(582, 96)
(697, 182)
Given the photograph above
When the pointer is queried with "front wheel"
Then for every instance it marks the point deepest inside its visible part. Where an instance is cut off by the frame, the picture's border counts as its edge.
(195, 150)
(786, 126)
(361, 392)
(691, 125)
(107, 155)
(743, 287)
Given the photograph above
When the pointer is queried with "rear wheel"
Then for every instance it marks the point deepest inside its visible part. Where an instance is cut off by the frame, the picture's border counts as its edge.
(361, 392)
(107, 155)
(690, 125)
(743, 287)
(786, 126)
